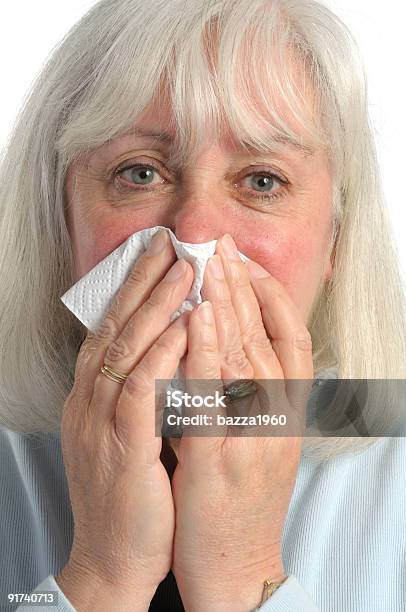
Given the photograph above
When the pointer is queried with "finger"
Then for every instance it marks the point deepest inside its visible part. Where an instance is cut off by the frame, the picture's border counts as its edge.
(234, 361)
(256, 343)
(203, 364)
(148, 270)
(291, 339)
(135, 414)
(143, 329)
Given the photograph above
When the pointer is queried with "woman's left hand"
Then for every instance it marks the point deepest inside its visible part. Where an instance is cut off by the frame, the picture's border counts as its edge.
(232, 493)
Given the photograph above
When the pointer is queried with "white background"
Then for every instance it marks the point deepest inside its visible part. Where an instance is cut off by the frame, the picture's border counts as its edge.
(28, 36)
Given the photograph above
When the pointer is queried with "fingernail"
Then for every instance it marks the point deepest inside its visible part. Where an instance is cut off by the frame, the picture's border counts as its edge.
(176, 272)
(216, 267)
(205, 312)
(158, 243)
(229, 248)
(256, 271)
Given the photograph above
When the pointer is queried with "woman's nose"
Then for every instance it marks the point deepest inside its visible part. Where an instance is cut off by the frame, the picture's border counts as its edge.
(202, 219)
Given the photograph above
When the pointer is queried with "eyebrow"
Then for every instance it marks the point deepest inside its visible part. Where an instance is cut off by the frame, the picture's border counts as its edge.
(166, 139)
(306, 149)
(160, 136)
(287, 142)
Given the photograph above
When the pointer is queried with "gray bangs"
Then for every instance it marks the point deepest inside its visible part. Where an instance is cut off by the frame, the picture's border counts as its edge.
(222, 72)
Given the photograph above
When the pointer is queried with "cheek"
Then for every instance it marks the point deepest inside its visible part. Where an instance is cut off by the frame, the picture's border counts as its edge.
(294, 257)
(93, 242)
(95, 228)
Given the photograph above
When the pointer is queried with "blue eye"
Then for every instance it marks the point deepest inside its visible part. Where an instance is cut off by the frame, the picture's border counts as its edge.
(140, 175)
(263, 183)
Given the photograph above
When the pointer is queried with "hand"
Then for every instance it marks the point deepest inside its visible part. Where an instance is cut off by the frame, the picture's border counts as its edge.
(120, 492)
(232, 493)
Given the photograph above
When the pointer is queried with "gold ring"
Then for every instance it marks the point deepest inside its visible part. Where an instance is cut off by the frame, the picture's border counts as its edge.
(114, 374)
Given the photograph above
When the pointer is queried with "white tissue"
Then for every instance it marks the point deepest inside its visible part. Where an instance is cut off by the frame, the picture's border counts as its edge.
(91, 297)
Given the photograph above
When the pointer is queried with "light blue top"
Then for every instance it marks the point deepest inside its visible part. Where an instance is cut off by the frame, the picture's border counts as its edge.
(343, 545)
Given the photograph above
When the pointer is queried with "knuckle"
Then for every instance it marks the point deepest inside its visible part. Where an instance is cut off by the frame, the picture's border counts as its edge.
(166, 346)
(223, 307)
(87, 347)
(108, 329)
(118, 350)
(302, 340)
(89, 341)
(85, 353)
(256, 337)
(236, 358)
(138, 277)
(140, 381)
(207, 347)
(116, 306)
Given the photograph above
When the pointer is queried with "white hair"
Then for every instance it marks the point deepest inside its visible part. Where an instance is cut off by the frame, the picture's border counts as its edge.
(208, 57)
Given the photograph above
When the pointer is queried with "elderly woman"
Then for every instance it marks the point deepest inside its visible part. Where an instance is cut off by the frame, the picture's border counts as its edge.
(245, 122)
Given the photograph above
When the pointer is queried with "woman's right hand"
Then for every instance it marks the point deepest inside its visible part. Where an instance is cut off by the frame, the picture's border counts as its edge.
(119, 489)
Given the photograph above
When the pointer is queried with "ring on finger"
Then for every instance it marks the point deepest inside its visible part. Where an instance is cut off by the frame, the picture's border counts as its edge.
(238, 389)
(113, 374)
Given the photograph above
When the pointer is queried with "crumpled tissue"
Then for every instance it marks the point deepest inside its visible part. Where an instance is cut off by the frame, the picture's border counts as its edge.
(91, 297)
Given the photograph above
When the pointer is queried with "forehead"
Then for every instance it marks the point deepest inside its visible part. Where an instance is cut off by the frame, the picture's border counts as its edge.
(257, 110)
(158, 123)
